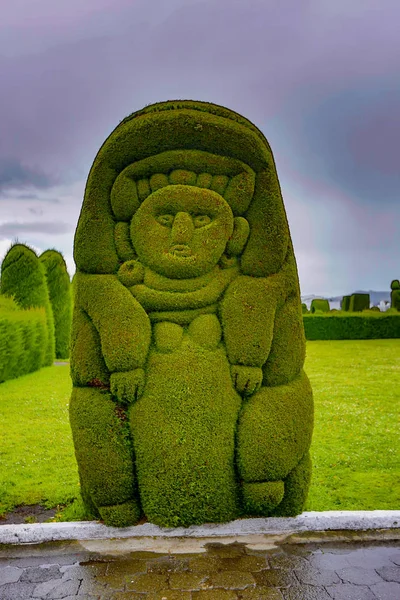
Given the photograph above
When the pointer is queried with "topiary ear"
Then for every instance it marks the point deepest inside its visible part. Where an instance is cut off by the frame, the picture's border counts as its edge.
(239, 237)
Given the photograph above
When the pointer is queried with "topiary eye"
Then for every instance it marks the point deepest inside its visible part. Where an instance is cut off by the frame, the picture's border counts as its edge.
(165, 220)
(201, 220)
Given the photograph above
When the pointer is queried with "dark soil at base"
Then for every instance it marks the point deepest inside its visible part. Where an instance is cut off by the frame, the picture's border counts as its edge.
(33, 513)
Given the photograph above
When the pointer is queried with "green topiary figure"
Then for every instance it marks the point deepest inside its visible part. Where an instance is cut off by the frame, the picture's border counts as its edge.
(359, 302)
(395, 294)
(190, 402)
(59, 286)
(304, 308)
(319, 304)
(345, 304)
(23, 277)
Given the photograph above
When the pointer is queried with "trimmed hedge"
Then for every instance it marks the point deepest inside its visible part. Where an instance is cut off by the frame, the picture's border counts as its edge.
(23, 336)
(345, 303)
(345, 326)
(321, 304)
(23, 278)
(395, 294)
(190, 403)
(359, 302)
(59, 286)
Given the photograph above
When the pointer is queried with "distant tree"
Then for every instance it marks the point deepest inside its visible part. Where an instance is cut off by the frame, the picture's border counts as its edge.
(23, 278)
(59, 286)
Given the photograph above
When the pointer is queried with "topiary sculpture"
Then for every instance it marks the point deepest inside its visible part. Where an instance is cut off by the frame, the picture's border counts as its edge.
(23, 277)
(59, 286)
(190, 403)
(345, 303)
(321, 304)
(359, 302)
(395, 294)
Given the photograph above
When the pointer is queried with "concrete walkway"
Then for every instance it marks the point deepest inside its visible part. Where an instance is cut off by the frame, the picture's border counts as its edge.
(252, 559)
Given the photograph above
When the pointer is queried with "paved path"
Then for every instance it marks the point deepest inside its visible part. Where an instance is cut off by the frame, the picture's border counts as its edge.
(73, 570)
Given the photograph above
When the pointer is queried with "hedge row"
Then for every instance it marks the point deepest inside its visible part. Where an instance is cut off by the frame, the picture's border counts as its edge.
(59, 287)
(23, 339)
(23, 278)
(361, 326)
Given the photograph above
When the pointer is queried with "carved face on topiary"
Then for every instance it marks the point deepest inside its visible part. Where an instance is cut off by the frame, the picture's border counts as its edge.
(182, 231)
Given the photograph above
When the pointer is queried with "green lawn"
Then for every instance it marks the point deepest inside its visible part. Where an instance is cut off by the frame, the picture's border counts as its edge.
(355, 447)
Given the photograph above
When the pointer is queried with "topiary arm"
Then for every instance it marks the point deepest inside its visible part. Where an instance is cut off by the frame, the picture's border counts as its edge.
(122, 323)
(248, 314)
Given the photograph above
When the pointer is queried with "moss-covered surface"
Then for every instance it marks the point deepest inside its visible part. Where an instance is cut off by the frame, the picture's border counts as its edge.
(59, 286)
(188, 325)
(23, 277)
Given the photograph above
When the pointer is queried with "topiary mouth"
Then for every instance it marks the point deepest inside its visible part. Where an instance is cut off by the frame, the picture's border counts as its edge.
(181, 250)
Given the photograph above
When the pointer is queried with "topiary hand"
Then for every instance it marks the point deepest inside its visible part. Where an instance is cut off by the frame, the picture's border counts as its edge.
(128, 385)
(246, 380)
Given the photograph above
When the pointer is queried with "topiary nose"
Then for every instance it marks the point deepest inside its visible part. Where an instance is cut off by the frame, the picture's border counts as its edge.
(182, 228)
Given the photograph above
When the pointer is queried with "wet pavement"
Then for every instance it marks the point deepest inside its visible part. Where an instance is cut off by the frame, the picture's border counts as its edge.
(327, 570)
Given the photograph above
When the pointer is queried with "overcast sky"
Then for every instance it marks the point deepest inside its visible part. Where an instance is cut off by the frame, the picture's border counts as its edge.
(320, 78)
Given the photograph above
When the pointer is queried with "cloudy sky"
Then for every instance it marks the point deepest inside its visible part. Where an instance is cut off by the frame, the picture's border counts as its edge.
(320, 78)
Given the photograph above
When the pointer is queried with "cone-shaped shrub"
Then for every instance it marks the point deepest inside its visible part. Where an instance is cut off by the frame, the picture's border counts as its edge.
(304, 308)
(319, 304)
(190, 402)
(59, 286)
(23, 278)
(345, 304)
(359, 302)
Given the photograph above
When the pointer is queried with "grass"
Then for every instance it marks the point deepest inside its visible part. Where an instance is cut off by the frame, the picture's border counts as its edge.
(355, 450)
(36, 451)
(355, 447)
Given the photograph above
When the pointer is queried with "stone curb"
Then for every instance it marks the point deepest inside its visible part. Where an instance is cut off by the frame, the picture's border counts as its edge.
(307, 522)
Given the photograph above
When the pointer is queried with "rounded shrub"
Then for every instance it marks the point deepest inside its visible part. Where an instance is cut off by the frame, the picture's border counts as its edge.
(59, 286)
(23, 277)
